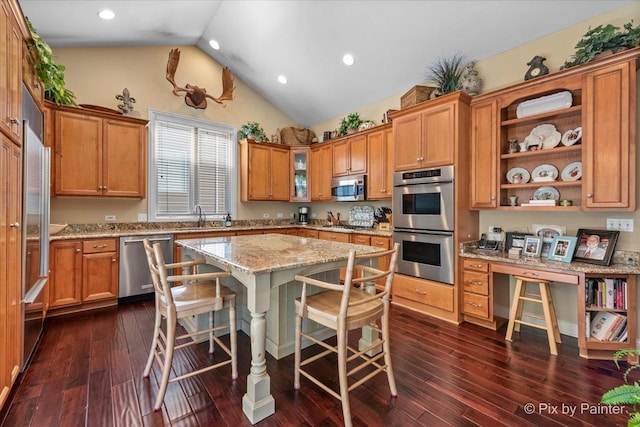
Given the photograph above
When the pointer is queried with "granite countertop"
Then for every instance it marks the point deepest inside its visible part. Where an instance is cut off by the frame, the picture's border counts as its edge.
(258, 254)
(624, 262)
(106, 230)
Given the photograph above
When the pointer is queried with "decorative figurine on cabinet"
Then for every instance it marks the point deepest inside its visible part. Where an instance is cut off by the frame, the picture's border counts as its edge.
(536, 68)
(470, 82)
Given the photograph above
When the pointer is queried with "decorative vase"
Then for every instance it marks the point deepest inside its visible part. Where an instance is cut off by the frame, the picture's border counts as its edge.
(351, 131)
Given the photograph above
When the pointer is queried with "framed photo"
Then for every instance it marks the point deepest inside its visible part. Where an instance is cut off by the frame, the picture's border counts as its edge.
(562, 248)
(547, 233)
(595, 246)
(514, 240)
(532, 246)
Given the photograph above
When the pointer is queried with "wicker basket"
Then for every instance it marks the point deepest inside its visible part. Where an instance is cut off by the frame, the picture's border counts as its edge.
(296, 136)
(416, 95)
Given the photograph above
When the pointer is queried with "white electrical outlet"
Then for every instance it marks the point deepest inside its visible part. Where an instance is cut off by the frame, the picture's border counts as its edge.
(265, 215)
(280, 215)
(142, 217)
(620, 224)
(109, 217)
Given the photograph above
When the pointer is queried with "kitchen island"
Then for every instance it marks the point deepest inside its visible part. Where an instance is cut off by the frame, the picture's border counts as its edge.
(262, 263)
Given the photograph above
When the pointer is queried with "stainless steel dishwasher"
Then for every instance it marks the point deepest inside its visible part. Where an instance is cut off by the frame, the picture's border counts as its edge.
(134, 275)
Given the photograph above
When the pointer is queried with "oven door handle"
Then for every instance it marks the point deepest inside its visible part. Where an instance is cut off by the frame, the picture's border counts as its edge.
(414, 231)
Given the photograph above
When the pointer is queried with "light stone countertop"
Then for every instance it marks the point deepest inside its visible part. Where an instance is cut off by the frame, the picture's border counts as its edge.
(265, 253)
(624, 262)
(107, 230)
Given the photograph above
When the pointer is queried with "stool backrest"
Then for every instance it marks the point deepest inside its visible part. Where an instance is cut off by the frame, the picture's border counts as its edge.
(155, 260)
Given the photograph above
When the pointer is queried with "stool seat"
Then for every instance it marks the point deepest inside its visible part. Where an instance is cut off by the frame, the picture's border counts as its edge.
(544, 298)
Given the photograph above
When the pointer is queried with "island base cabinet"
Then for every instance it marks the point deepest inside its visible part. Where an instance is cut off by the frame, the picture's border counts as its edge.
(433, 298)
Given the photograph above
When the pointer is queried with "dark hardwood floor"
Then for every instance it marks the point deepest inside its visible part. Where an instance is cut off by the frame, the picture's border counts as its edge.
(88, 371)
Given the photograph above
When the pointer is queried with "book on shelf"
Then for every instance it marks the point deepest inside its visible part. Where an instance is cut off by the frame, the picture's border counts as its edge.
(606, 293)
(607, 326)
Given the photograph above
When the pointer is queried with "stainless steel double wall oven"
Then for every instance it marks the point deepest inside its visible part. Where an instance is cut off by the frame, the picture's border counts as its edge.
(423, 211)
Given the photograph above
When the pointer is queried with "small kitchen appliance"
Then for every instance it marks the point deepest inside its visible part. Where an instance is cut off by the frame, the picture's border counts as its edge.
(303, 215)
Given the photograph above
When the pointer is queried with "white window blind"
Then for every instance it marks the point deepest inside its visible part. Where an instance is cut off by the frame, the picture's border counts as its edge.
(192, 162)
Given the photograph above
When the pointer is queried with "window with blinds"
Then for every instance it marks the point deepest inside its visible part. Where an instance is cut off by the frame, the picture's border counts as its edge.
(191, 162)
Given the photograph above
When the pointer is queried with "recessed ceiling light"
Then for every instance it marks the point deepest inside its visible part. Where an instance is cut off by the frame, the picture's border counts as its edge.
(214, 44)
(106, 14)
(282, 79)
(348, 59)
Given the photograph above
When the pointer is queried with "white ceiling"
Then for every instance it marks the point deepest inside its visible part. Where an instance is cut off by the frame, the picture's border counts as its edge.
(393, 41)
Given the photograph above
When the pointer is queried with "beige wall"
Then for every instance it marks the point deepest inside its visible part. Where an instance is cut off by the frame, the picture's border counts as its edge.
(97, 75)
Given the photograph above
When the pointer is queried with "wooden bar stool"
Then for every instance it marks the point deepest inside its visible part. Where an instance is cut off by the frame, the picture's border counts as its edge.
(544, 298)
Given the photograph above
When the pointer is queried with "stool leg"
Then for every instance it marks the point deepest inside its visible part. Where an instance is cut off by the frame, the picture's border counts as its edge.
(516, 305)
(554, 319)
(544, 293)
(523, 292)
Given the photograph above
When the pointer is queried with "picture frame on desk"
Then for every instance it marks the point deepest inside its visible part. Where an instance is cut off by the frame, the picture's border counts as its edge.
(532, 246)
(547, 233)
(562, 248)
(595, 246)
(514, 240)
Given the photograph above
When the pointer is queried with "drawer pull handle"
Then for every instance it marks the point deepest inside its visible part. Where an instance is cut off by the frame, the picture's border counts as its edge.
(99, 246)
(419, 292)
(476, 265)
(475, 282)
(472, 304)
(528, 273)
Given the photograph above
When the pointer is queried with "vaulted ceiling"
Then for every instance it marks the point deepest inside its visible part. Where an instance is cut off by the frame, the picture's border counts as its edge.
(392, 42)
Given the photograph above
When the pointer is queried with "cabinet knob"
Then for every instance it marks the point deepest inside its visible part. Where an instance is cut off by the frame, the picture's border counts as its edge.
(14, 225)
(78, 250)
(589, 195)
(493, 197)
(113, 260)
(14, 121)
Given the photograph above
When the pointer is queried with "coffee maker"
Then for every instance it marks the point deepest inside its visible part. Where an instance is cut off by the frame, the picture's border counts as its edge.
(303, 215)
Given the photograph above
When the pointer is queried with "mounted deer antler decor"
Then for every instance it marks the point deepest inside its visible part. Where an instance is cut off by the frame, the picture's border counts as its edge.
(195, 96)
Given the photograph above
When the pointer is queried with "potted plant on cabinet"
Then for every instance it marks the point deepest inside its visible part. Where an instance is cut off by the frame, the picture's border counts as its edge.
(603, 39)
(252, 131)
(446, 73)
(51, 74)
(349, 124)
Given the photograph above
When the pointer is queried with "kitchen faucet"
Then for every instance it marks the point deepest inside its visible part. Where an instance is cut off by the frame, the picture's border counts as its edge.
(201, 216)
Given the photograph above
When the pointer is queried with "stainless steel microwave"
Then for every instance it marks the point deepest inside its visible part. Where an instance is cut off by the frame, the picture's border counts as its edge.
(348, 188)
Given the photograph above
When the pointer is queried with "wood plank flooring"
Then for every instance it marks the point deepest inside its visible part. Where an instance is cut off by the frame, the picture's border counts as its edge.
(87, 371)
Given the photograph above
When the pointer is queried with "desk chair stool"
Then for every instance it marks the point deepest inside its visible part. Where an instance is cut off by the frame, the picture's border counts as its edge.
(521, 296)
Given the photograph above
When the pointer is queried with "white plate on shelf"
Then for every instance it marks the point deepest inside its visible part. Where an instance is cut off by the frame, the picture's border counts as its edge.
(572, 172)
(525, 176)
(572, 136)
(547, 134)
(546, 193)
(543, 104)
(544, 173)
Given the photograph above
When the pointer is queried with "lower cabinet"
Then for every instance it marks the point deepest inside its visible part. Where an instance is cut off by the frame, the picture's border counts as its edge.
(433, 298)
(477, 301)
(84, 275)
(303, 232)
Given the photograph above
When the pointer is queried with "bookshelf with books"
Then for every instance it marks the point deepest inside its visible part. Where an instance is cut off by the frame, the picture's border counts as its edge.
(609, 315)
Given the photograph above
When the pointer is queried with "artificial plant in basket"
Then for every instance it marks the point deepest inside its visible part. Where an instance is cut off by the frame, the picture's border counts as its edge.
(51, 74)
(350, 123)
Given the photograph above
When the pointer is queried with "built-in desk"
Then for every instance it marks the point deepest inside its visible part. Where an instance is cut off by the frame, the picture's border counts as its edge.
(479, 268)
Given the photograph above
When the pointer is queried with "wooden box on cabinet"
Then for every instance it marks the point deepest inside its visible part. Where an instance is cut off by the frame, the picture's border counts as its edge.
(98, 154)
(416, 95)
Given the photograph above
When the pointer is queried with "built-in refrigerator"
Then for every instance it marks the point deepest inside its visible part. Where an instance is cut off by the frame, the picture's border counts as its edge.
(35, 225)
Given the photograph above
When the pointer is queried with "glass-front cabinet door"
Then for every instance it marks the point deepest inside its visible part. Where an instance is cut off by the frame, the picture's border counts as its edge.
(300, 176)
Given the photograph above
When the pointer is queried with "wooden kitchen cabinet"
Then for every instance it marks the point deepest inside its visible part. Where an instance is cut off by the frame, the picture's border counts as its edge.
(423, 134)
(99, 269)
(65, 277)
(98, 154)
(299, 185)
(350, 155)
(83, 274)
(380, 164)
(321, 171)
(334, 236)
(10, 263)
(603, 106)
(264, 172)
(11, 70)
(477, 294)
(304, 232)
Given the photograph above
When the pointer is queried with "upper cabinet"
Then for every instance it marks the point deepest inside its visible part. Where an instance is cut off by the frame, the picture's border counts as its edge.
(264, 171)
(595, 170)
(350, 155)
(380, 163)
(425, 135)
(98, 154)
(299, 184)
(11, 70)
(320, 170)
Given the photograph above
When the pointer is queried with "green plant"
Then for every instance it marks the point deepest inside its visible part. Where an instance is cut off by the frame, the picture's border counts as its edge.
(602, 38)
(625, 394)
(252, 129)
(352, 121)
(446, 73)
(51, 74)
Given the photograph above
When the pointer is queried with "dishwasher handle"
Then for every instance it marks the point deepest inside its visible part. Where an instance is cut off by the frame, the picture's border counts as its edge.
(159, 239)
